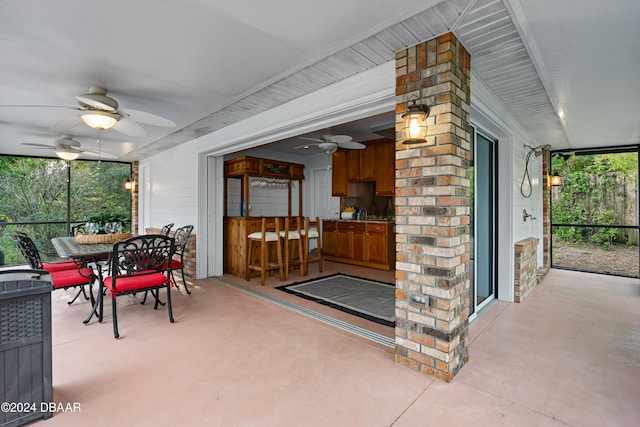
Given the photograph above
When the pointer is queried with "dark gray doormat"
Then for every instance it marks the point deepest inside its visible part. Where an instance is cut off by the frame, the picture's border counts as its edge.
(366, 298)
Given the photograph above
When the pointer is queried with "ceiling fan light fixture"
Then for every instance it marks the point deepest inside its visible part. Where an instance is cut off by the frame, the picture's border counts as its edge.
(414, 124)
(66, 154)
(99, 119)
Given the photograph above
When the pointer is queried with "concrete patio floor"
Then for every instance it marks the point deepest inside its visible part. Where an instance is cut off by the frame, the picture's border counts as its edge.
(569, 355)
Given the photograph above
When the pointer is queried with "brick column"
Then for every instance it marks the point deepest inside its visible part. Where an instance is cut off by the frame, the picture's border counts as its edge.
(135, 216)
(525, 275)
(432, 210)
(546, 208)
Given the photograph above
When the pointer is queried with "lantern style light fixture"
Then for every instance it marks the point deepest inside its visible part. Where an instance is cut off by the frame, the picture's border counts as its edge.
(555, 180)
(130, 185)
(66, 154)
(414, 123)
(99, 119)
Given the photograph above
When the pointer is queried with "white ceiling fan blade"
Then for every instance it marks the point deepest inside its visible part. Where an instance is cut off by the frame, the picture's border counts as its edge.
(129, 127)
(352, 145)
(148, 118)
(94, 103)
(100, 154)
(339, 139)
(311, 139)
(66, 123)
(42, 146)
(36, 106)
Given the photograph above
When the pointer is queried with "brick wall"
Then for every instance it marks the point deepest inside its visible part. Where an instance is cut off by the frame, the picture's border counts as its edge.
(525, 272)
(546, 208)
(432, 210)
(134, 197)
(189, 253)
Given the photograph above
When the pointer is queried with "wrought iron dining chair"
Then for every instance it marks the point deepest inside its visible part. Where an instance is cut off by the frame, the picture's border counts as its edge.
(65, 274)
(166, 229)
(181, 237)
(140, 264)
(78, 229)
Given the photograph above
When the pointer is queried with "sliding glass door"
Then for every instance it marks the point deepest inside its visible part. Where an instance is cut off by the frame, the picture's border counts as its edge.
(483, 220)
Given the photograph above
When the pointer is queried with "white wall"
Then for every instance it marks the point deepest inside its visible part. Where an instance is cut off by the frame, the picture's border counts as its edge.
(173, 187)
(490, 115)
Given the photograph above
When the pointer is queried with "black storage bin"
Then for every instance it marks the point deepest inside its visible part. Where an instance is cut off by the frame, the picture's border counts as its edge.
(25, 346)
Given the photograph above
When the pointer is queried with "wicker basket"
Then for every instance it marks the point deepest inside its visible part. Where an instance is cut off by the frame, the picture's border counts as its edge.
(92, 239)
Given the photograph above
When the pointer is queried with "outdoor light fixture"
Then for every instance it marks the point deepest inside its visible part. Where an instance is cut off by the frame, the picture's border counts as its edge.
(99, 119)
(66, 154)
(555, 180)
(414, 123)
(130, 185)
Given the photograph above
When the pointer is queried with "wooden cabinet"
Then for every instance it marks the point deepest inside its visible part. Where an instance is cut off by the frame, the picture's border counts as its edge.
(351, 240)
(377, 243)
(339, 173)
(329, 238)
(365, 243)
(375, 163)
(360, 164)
(385, 168)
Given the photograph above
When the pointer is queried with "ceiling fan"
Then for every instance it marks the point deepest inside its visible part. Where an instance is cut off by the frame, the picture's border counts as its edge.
(68, 148)
(100, 111)
(330, 143)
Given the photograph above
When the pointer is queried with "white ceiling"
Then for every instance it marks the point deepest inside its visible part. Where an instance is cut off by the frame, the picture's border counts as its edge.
(205, 64)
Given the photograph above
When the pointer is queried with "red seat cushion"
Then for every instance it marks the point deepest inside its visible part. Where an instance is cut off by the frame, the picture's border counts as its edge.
(75, 277)
(135, 281)
(59, 265)
(175, 264)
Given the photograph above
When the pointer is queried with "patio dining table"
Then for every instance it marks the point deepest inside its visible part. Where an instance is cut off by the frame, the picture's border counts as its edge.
(95, 253)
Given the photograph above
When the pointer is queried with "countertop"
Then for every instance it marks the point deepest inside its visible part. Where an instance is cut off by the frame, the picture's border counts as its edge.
(373, 221)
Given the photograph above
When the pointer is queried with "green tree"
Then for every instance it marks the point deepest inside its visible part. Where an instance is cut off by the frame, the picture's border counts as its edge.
(35, 190)
(590, 192)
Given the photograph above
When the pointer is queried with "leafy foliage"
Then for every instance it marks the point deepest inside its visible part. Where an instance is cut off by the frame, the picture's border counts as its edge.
(597, 189)
(34, 190)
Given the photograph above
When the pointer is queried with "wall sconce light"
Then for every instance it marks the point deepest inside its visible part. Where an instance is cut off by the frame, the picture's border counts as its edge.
(130, 185)
(414, 123)
(99, 119)
(555, 180)
(66, 154)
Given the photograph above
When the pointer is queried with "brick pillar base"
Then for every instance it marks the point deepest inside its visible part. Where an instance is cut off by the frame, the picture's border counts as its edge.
(432, 210)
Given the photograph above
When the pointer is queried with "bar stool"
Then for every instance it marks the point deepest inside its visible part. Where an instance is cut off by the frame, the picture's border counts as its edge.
(311, 231)
(292, 233)
(264, 237)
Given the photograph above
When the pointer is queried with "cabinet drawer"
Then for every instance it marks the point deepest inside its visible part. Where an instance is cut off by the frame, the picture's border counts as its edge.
(328, 226)
(351, 226)
(376, 228)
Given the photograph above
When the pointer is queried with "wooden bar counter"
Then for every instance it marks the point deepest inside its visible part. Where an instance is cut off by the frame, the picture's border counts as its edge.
(237, 228)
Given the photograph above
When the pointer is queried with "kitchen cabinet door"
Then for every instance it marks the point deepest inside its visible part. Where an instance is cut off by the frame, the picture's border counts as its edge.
(351, 240)
(376, 243)
(367, 163)
(339, 173)
(360, 164)
(353, 165)
(385, 168)
(329, 238)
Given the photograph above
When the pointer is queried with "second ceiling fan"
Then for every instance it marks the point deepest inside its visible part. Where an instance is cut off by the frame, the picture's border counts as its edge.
(100, 111)
(330, 143)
